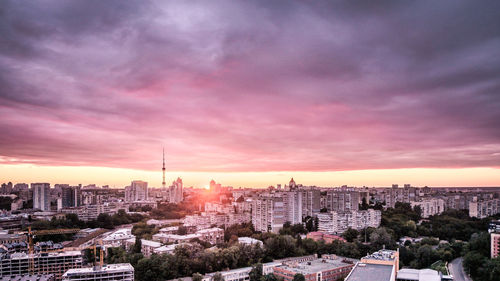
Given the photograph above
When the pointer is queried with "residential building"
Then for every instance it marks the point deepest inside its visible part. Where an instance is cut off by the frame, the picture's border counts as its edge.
(137, 191)
(338, 222)
(213, 235)
(268, 213)
(147, 246)
(495, 245)
(342, 200)
(484, 208)
(119, 271)
(41, 196)
(430, 206)
(71, 196)
(327, 268)
(46, 263)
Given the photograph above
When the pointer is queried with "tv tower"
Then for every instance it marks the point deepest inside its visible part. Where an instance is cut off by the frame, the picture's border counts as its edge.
(163, 169)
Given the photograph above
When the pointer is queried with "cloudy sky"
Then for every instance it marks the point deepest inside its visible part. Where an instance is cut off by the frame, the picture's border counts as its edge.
(240, 90)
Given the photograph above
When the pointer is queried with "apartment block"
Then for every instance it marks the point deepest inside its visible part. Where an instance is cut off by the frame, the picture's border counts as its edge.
(430, 207)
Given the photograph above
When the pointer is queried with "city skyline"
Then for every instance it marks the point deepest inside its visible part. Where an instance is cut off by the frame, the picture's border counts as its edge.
(250, 94)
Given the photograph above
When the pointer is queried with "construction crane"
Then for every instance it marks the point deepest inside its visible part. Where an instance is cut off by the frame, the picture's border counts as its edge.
(32, 234)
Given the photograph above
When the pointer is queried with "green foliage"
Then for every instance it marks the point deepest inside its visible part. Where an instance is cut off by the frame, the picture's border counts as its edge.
(197, 277)
(174, 211)
(299, 277)
(239, 230)
(256, 273)
(218, 277)
(350, 234)
(144, 231)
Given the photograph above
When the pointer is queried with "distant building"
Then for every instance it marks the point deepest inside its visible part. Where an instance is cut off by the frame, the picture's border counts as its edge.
(176, 191)
(342, 200)
(430, 207)
(41, 196)
(147, 246)
(120, 271)
(137, 191)
(338, 222)
(268, 213)
(410, 274)
(484, 208)
(71, 196)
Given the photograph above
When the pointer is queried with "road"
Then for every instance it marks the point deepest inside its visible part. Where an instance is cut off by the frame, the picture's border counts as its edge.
(457, 270)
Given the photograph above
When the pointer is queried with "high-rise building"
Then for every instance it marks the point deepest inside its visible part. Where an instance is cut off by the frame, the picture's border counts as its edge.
(71, 196)
(119, 271)
(268, 213)
(137, 191)
(338, 222)
(342, 200)
(176, 191)
(41, 196)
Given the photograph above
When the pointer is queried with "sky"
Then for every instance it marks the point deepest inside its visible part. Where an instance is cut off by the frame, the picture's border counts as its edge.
(250, 93)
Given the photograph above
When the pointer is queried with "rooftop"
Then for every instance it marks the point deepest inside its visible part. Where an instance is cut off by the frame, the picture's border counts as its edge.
(385, 255)
(372, 272)
(119, 267)
(419, 274)
(317, 265)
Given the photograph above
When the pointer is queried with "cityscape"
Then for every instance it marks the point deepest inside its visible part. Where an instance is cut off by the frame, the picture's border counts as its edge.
(249, 140)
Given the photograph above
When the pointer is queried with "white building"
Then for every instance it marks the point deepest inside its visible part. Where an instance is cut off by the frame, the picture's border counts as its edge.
(147, 246)
(484, 208)
(41, 196)
(119, 271)
(249, 241)
(268, 213)
(118, 237)
(338, 222)
(430, 207)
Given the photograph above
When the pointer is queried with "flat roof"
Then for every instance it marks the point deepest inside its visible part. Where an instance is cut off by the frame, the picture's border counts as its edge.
(118, 267)
(317, 265)
(372, 272)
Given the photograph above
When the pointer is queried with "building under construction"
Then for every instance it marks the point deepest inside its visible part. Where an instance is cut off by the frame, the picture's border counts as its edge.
(56, 263)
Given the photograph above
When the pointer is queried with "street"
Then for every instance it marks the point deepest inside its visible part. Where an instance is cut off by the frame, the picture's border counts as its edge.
(457, 270)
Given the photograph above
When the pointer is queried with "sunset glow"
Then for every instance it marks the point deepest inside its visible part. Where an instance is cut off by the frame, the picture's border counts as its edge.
(250, 94)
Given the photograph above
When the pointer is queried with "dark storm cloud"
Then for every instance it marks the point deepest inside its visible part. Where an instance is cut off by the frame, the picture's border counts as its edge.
(289, 85)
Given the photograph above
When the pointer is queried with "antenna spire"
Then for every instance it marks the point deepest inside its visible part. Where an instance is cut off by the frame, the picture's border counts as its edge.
(163, 169)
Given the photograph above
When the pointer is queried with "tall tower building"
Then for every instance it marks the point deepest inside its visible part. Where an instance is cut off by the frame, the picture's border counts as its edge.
(41, 196)
(176, 192)
(163, 170)
(137, 191)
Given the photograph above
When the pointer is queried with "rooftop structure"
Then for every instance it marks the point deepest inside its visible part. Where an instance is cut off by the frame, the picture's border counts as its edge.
(382, 265)
(421, 275)
(120, 271)
(329, 267)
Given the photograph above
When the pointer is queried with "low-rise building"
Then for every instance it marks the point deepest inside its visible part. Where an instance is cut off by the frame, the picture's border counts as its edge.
(147, 246)
(321, 236)
(327, 268)
(379, 266)
(213, 235)
(120, 271)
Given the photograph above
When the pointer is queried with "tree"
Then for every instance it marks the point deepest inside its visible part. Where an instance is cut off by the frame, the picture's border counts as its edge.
(182, 230)
(299, 277)
(364, 205)
(350, 234)
(197, 277)
(256, 272)
(218, 277)
(137, 246)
